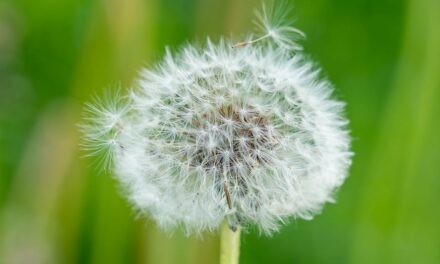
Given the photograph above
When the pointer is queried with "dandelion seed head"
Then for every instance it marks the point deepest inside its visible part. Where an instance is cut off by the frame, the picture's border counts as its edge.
(249, 133)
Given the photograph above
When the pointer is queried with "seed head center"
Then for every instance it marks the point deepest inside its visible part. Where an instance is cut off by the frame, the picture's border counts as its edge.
(232, 139)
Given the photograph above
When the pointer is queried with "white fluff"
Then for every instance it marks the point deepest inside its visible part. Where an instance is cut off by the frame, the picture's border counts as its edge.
(247, 133)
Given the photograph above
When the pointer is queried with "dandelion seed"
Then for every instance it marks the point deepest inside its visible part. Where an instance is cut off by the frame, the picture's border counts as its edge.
(245, 132)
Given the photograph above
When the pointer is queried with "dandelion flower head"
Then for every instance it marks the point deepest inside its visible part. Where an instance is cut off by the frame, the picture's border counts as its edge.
(246, 132)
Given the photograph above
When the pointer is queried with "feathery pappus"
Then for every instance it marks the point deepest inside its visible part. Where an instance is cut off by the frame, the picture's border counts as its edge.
(244, 131)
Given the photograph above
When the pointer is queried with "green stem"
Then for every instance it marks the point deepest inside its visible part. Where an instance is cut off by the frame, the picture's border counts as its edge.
(229, 244)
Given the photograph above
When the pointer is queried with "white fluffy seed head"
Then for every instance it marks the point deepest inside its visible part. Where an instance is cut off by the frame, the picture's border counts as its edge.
(245, 133)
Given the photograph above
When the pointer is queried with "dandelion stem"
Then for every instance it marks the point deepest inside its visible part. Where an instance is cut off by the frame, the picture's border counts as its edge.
(229, 244)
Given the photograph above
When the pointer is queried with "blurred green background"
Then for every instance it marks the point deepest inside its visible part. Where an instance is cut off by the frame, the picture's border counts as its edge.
(383, 57)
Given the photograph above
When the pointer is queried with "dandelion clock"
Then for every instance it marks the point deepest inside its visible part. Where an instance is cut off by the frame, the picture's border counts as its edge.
(244, 134)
